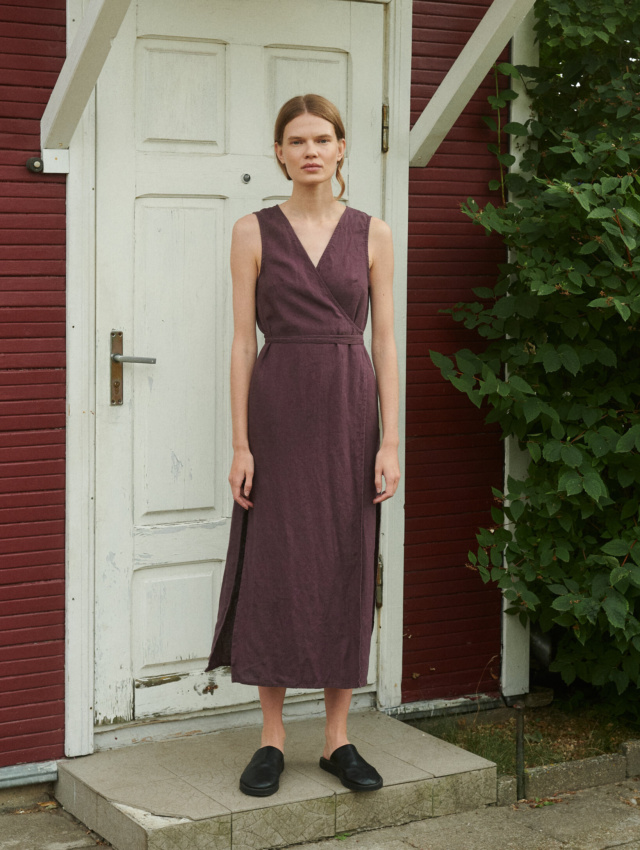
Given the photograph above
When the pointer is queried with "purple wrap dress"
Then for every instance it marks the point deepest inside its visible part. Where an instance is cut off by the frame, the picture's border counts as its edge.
(297, 600)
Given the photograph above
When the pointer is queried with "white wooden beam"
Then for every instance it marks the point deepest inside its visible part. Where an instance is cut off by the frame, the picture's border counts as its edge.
(514, 678)
(471, 67)
(77, 79)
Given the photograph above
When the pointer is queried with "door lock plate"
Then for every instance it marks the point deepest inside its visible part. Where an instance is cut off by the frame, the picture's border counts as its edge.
(116, 368)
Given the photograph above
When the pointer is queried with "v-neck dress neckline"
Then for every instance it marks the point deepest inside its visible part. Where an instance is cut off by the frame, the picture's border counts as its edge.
(315, 267)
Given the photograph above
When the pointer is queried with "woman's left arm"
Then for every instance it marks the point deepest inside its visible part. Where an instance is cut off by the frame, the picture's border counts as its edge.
(385, 358)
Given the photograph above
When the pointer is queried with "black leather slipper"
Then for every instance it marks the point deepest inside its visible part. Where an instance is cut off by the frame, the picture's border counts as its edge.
(351, 769)
(261, 777)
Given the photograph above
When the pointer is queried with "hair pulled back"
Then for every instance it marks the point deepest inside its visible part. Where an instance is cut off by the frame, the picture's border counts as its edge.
(313, 104)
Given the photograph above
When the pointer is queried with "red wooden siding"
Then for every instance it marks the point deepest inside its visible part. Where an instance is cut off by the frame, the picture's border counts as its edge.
(32, 392)
(452, 620)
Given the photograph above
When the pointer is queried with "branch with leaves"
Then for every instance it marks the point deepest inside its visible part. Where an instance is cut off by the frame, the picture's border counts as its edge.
(561, 366)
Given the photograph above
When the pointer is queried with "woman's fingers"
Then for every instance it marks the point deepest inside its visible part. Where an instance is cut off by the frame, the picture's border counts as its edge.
(241, 483)
(391, 485)
(391, 473)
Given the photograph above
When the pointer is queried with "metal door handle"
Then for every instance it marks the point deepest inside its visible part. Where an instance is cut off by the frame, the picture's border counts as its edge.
(117, 359)
(125, 358)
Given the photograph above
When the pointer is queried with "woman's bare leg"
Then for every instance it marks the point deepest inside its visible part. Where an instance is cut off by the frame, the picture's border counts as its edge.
(336, 702)
(272, 700)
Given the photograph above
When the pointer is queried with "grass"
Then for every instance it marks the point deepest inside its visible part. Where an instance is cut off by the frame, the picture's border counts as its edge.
(554, 733)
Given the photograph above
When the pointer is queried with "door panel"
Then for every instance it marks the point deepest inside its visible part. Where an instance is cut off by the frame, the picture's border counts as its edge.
(186, 104)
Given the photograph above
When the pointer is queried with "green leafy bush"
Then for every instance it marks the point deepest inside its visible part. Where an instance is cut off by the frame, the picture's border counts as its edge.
(561, 367)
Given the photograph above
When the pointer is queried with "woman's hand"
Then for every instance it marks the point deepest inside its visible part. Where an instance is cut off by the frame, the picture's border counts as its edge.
(241, 473)
(387, 464)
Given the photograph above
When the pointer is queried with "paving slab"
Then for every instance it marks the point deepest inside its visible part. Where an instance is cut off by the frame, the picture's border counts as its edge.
(480, 829)
(600, 818)
(43, 831)
(184, 793)
(573, 775)
(591, 819)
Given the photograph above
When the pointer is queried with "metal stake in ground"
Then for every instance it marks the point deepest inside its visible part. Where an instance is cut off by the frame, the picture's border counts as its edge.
(519, 707)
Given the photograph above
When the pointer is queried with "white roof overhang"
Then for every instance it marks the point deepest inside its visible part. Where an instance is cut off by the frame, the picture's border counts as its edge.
(79, 74)
(486, 43)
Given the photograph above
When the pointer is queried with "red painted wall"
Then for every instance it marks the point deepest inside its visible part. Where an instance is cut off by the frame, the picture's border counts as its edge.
(452, 620)
(32, 392)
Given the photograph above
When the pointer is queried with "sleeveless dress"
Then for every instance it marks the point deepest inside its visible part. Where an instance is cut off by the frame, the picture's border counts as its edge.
(298, 592)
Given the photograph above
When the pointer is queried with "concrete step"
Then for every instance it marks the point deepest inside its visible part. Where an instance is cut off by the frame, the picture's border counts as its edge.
(183, 794)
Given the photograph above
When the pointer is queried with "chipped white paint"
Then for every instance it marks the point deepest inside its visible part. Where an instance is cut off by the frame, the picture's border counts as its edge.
(185, 105)
(465, 75)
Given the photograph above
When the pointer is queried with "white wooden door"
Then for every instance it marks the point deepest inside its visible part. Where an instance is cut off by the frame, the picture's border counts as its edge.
(185, 110)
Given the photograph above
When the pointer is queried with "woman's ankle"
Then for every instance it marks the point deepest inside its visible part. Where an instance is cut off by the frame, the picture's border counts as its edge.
(273, 738)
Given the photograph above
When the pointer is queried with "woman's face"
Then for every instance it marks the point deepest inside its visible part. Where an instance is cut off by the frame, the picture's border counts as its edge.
(310, 150)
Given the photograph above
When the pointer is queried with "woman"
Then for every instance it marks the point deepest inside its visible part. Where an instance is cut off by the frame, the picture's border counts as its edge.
(297, 600)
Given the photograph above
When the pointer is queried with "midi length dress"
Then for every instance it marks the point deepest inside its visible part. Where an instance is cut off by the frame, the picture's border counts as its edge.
(298, 592)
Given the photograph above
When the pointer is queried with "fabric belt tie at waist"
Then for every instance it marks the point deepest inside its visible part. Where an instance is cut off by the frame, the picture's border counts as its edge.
(345, 339)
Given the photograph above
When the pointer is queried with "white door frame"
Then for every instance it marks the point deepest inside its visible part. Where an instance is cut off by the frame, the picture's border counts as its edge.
(81, 371)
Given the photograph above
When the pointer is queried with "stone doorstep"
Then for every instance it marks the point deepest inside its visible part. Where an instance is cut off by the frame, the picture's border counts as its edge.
(550, 779)
(184, 793)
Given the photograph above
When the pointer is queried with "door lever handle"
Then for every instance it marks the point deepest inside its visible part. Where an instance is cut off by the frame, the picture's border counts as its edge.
(117, 359)
(125, 358)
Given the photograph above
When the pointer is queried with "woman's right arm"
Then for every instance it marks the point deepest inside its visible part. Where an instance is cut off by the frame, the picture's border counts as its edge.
(245, 264)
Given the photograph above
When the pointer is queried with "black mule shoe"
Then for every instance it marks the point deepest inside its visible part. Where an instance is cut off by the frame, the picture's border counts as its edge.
(261, 776)
(351, 769)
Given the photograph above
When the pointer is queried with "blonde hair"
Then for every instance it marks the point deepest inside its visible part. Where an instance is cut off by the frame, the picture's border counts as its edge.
(314, 104)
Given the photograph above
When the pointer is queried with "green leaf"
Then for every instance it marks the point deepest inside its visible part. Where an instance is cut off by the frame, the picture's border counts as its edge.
(517, 509)
(598, 445)
(620, 678)
(483, 292)
(571, 483)
(490, 122)
(550, 358)
(443, 363)
(552, 451)
(589, 247)
(563, 603)
(515, 129)
(622, 308)
(616, 547)
(569, 358)
(534, 450)
(609, 184)
(618, 574)
(594, 485)
(629, 440)
(616, 607)
(571, 455)
(631, 214)
(508, 68)
(520, 384)
(531, 409)
(601, 212)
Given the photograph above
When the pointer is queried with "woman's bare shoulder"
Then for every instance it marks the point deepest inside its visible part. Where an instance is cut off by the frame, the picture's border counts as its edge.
(247, 228)
(379, 229)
